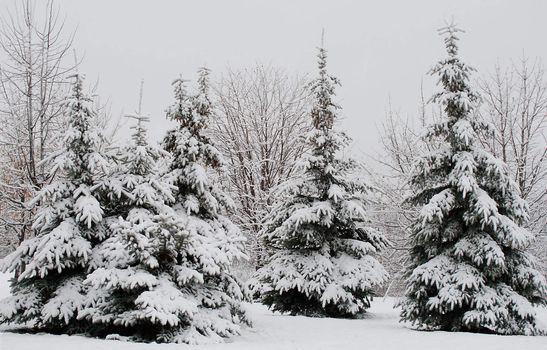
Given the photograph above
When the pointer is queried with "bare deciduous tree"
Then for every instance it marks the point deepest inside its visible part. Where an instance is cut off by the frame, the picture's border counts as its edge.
(400, 144)
(515, 103)
(262, 114)
(34, 49)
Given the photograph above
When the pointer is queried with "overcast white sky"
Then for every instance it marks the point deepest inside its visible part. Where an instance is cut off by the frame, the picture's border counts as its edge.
(379, 49)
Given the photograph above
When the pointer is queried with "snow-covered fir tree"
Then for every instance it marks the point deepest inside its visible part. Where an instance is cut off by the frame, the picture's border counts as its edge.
(196, 298)
(470, 270)
(322, 246)
(48, 288)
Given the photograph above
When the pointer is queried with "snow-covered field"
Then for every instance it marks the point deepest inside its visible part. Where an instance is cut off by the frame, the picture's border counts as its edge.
(378, 330)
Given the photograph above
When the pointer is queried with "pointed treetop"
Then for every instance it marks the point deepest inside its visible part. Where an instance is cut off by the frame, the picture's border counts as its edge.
(81, 134)
(457, 96)
(323, 111)
(179, 85)
(202, 103)
(139, 134)
(451, 39)
(322, 62)
(77, 86)
(181, 110)
(203, 80)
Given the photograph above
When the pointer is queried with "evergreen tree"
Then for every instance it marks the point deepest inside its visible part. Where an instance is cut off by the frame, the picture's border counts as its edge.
(50, 268)
(200, 296)
(322, 246)
(470, 270)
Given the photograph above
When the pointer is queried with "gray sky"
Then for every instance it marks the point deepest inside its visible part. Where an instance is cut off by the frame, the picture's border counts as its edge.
(379, 49)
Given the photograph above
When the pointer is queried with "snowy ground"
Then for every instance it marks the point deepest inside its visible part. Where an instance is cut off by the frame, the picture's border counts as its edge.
(379, 330)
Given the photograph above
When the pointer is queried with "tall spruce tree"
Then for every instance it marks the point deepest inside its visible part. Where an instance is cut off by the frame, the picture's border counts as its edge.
(322, 246)
(50, 268)
(205, 241)
(469, 270)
